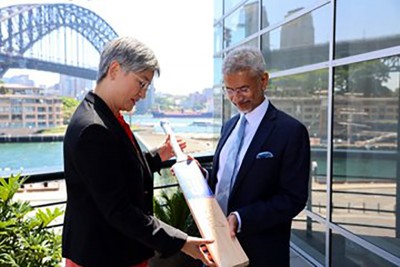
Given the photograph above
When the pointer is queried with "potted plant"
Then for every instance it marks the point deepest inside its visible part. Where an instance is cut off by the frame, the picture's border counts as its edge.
(25, 239)
(171, 208)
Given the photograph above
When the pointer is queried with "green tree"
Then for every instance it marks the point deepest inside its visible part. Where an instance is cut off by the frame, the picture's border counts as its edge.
(69, 107)
(3, 90)
(366, 78)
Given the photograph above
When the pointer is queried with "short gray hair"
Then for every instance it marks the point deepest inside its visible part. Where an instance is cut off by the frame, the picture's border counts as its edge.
(130, 53)
(244, 58)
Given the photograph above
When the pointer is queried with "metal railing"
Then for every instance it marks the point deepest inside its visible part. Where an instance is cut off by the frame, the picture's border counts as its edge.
(46, 178)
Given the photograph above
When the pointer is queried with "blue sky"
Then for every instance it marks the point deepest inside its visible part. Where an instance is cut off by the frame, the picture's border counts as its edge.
(179, 31)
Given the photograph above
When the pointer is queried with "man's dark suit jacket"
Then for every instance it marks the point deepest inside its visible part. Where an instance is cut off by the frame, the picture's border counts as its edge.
(270, 188)
(108, 218)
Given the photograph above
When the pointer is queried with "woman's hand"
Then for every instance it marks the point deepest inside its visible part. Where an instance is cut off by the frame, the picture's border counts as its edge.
(195, 247)
(165, 150)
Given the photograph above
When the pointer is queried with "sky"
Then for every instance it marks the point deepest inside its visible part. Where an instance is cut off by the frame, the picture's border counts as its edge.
(180, 32)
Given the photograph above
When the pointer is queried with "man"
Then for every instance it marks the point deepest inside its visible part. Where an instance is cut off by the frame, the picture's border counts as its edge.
(108, 219)
(265, 184)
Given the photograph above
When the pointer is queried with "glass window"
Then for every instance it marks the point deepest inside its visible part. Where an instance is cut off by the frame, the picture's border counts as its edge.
(229, 4)
(4, 109)
(30, 125)
(29, 109)
(304, 96)
(30, 116)
(219, 37)
(242, 23)
(347, 253)
(365, 155)
(218, 79)
(300, 42)
(374, 25)
(218, 5)
(16, 109)
(253, 42)
(274, 11)
(309, 235)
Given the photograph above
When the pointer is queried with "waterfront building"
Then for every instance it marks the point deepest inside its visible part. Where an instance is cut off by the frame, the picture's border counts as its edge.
(73, 87)
(145, 105)
(26, 109)
(334, 65)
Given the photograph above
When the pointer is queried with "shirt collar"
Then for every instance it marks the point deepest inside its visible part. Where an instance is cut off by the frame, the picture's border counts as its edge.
(255, 116)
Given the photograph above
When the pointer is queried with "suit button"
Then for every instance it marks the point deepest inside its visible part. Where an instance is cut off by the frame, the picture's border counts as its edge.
(146, 192)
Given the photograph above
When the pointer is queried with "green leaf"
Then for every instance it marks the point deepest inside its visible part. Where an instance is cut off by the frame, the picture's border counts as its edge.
(172, 209)
(25, 240)
(9, 186)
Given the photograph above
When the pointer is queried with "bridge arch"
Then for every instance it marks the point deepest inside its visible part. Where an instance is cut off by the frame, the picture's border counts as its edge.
(21, 26)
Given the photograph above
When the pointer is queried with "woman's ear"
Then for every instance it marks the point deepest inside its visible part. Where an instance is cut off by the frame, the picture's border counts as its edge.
(113, 70)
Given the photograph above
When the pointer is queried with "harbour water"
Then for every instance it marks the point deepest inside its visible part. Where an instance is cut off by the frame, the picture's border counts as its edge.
(42, 157)
(30, 157)
(39, 157)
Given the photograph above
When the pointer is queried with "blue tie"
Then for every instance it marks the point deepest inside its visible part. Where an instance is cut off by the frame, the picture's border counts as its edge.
(230, 168)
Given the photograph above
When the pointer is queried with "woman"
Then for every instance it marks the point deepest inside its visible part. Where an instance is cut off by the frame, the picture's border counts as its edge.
(108, 219)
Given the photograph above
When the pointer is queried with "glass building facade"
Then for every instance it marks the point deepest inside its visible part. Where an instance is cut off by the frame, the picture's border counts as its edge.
(335, 66)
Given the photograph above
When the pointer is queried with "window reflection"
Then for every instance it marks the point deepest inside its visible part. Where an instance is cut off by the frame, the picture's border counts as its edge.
(310, 236)
(218, 5)
(347, 253)
(365, 156)
(304, 96)
(218, 37)
(299, 42)
(229, 4)
(217, 69)
(374, 26)
(242, 23)
(278, 10)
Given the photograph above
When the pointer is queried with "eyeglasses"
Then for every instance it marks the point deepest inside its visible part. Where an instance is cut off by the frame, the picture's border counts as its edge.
(242, 90)
(142, 83)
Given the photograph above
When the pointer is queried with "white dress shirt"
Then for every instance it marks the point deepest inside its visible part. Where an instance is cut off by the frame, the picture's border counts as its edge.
(253, 121)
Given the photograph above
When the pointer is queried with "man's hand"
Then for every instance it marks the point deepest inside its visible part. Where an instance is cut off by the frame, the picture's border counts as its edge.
(233, 224)
(203, 171)
(194, 248)
(165, 150)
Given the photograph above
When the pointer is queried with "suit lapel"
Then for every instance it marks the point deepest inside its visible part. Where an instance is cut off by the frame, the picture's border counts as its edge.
(224, 136)
(137, 153)
(264, 129)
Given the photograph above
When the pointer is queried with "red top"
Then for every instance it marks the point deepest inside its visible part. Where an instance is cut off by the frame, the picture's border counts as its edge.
(129, 133)
(126, 127)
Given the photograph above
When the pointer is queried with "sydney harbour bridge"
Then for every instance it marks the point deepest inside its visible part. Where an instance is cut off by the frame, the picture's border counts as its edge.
(53, 38)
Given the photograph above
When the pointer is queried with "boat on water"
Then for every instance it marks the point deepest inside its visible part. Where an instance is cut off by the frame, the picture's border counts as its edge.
(181, 114)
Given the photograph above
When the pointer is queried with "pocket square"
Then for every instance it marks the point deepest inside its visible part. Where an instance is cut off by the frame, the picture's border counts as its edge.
(264, 155)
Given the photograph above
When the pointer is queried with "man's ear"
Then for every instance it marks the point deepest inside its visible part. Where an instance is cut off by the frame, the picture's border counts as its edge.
(265, 79)
(113, 69)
